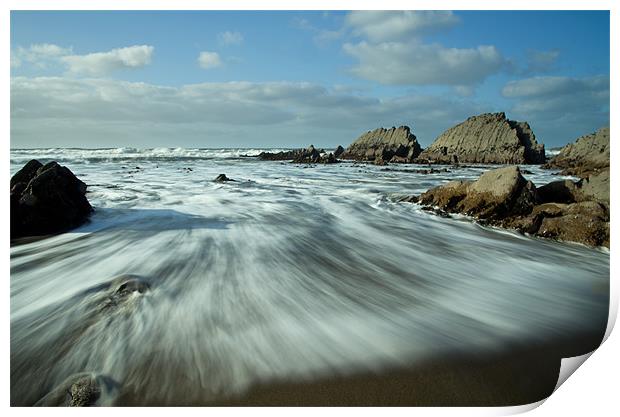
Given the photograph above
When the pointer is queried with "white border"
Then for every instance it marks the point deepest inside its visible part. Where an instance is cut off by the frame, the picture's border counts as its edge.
(591, 391)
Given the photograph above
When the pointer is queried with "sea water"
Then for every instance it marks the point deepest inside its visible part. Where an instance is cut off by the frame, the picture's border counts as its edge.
(290, 272)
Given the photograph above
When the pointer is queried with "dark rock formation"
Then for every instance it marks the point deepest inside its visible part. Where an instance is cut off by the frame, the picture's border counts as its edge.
(279, 156)
(384, 145)
(339, 150)
(589, 153)
(222, 178)
(488, 138)
(46, 199)
(563, 210)
(310, 155)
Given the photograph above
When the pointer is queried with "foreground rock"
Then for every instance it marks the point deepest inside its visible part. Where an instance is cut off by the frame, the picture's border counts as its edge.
(222, 178)
(384, 145)
(46, 199)
(562, 210)
(488, 138)
(589, 154)
(79, 390)
(310, 155)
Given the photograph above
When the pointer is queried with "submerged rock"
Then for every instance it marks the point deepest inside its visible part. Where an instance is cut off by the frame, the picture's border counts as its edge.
(589, 154)
(384, 145)
(487, 138)
(562, 210)
(79, 390)
(46, 199)
(222, 178)
(122, 289)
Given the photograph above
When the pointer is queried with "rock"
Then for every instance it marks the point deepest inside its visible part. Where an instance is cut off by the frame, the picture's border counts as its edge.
(79, 390)
(339, 150)
(589, 154)
(222, 178)
(595, 187)
(121, 289)
(562, 210)
(488, 138)
(25, 174)
(564, 191)
(279, 156)
(384, 144)
(586, 222)
(52, 201)
(309, 155)
(496, 194)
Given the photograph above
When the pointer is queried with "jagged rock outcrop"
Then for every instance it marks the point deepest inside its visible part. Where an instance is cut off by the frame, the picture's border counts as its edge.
(46, 199)
(310, 155)
(487, 138)
(384, 145)
(588, 154)
(562, 210)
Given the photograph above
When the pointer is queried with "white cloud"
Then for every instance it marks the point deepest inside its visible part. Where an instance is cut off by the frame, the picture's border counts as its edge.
(16, 61)
(568, 107)
(541, 61)
(230, 38)
(414, 62)
(48, 49)
(102, 63)
(392, 50)
(546, 87)
(229, 114)
(209, 60)
(40, 54)
(380, 26)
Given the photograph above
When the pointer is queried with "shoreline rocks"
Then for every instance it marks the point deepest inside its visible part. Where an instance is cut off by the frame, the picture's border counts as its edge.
(488, 138)
(561, 210)
(397, 145)
(46, 199)
(588, 154)
(310, 155)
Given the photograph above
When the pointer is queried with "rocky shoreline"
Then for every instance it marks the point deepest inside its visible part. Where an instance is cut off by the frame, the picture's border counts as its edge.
(49, 199)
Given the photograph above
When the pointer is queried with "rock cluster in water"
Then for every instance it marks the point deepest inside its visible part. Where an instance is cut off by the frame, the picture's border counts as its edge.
(487, 138)
(381, 146)
(46, 199)
(588, 154)
(562, 210)
(310, 155)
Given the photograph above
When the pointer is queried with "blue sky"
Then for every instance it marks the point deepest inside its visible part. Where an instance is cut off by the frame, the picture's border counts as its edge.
(213, 79)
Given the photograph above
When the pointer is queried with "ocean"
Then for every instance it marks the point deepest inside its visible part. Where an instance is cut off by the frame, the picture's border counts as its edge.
(291, 272)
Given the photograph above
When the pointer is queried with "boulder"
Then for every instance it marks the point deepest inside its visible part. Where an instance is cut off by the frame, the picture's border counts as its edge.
(53, 200)
(589, 154)
(594, 187)
(487, 138)
(308, 155)
(561, 210)
(339, 150)
(496, 194)
(384, 144)
(79, 390)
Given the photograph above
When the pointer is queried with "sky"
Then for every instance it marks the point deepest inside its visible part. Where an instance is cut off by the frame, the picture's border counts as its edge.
(206, 79)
